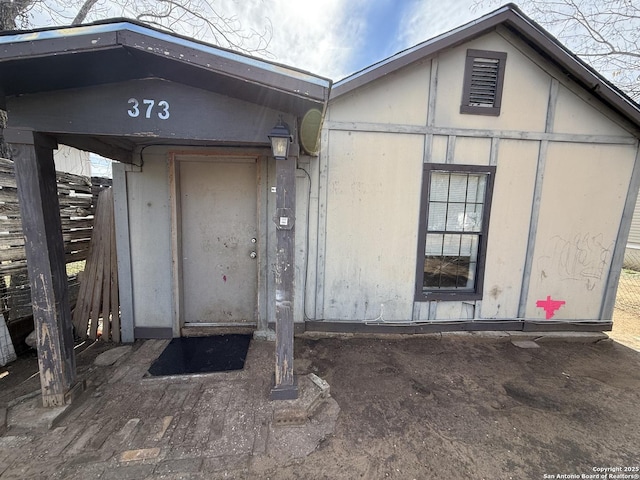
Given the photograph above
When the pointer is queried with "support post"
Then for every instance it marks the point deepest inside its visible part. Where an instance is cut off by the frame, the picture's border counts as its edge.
(32, 154)
(285, 385)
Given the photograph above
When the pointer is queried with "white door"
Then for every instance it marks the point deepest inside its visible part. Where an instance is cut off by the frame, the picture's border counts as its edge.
(218, 203)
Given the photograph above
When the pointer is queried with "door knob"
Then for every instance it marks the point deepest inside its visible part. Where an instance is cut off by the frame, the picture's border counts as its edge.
(253, 254)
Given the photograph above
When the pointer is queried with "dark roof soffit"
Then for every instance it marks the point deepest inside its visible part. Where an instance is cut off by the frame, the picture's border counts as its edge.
(124, 33)
(513, 18)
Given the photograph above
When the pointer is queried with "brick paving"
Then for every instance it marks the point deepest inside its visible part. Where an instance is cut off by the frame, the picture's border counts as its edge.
(129, 426)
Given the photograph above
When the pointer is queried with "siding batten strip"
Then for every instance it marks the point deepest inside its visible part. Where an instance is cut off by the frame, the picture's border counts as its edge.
(493, 156)
(533, 229)
(176, 248)
(323, 182)
(609, 300)
(123, 251)
(551, 109)
(537, 197)
(478, 133)
(263, 215)
(431, 110)
(451, 149)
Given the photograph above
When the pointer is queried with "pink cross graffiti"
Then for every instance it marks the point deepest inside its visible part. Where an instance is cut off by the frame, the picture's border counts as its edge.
(550, 306)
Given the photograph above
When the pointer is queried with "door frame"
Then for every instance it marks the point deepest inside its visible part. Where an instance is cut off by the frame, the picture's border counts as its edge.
(175, 158)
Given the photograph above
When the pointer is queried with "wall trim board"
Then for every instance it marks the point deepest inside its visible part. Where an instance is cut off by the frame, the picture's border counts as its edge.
(479, 133)
(617, 259)
(123, 250)
(176, 246)
(459, 326)
(153, 332)
(552, 101)
(323, 197)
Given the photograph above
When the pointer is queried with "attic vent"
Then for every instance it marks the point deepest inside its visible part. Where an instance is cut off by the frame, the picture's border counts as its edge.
(483, 79)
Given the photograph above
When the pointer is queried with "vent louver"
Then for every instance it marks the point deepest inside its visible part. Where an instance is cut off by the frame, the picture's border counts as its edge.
(484, 82)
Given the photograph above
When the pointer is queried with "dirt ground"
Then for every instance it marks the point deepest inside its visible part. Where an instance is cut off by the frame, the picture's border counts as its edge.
(456, 407)
(453, 408)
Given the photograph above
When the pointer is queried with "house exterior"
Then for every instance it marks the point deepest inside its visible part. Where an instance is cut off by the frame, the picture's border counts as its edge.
(632, 253)
(204, 213)
(482, 180)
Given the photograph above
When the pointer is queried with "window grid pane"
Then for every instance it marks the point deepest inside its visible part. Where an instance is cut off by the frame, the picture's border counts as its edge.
(454, 225)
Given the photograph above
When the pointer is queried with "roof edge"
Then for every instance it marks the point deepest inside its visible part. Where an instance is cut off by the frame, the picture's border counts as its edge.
(512, 17)
(114, 25)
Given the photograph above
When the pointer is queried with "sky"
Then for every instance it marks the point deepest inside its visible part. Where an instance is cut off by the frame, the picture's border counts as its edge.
(331, 38)
(334, 38)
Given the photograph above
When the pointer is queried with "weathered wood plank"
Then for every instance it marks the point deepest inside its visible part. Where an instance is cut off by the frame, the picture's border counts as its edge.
(115, 307)
(96, 281)
(285, 387)
(35, 176)
(106, 260)
(125, 288)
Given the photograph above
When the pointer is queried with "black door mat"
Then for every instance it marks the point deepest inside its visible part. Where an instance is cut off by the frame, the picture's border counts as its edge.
(186, 355)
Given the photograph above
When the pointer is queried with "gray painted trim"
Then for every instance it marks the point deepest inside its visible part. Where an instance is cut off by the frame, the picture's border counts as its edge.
(263, 215)
(123, 250)
(552, 101)
(153, 332)
(611, 289)
(478, 133)
(323, 198)
(552, 105)
(176, 243)
(493, 155)
(431, 109)
(457, 326)
(433, 310)
(433, 92)
(477, 308)
(451, 149)
(533, 228)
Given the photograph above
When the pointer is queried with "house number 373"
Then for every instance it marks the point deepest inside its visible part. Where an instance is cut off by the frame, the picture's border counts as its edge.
(148, 108)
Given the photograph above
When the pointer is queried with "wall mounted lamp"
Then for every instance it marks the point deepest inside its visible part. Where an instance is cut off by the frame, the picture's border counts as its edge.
(280, 138)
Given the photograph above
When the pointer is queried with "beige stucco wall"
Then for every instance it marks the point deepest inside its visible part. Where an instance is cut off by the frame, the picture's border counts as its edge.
(400, 97)
(150, 237)
(373, 183)
(583, 196)
(372, 222)
(508, 228)
(525, 94)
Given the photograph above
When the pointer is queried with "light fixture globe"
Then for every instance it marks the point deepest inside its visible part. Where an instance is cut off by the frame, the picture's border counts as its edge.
(280, 138)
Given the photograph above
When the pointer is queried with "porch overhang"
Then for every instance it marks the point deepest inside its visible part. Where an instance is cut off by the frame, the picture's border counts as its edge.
(41, 63)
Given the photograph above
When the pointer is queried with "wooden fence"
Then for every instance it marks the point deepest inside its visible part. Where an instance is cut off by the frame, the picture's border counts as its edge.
(77, 207)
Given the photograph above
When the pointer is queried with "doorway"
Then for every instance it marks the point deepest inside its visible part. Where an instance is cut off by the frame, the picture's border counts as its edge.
(218, 232)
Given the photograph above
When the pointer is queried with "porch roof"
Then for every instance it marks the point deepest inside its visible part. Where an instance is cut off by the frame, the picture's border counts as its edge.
(119, 49)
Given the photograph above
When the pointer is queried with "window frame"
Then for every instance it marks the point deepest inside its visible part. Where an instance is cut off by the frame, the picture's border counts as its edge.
(465, 108)
(453, 294)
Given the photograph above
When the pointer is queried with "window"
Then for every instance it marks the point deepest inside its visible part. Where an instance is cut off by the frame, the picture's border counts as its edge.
(453, 231)
(483, 80)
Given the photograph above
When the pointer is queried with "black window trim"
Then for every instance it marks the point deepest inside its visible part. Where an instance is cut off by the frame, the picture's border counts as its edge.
(453, 295)
(466, 89)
